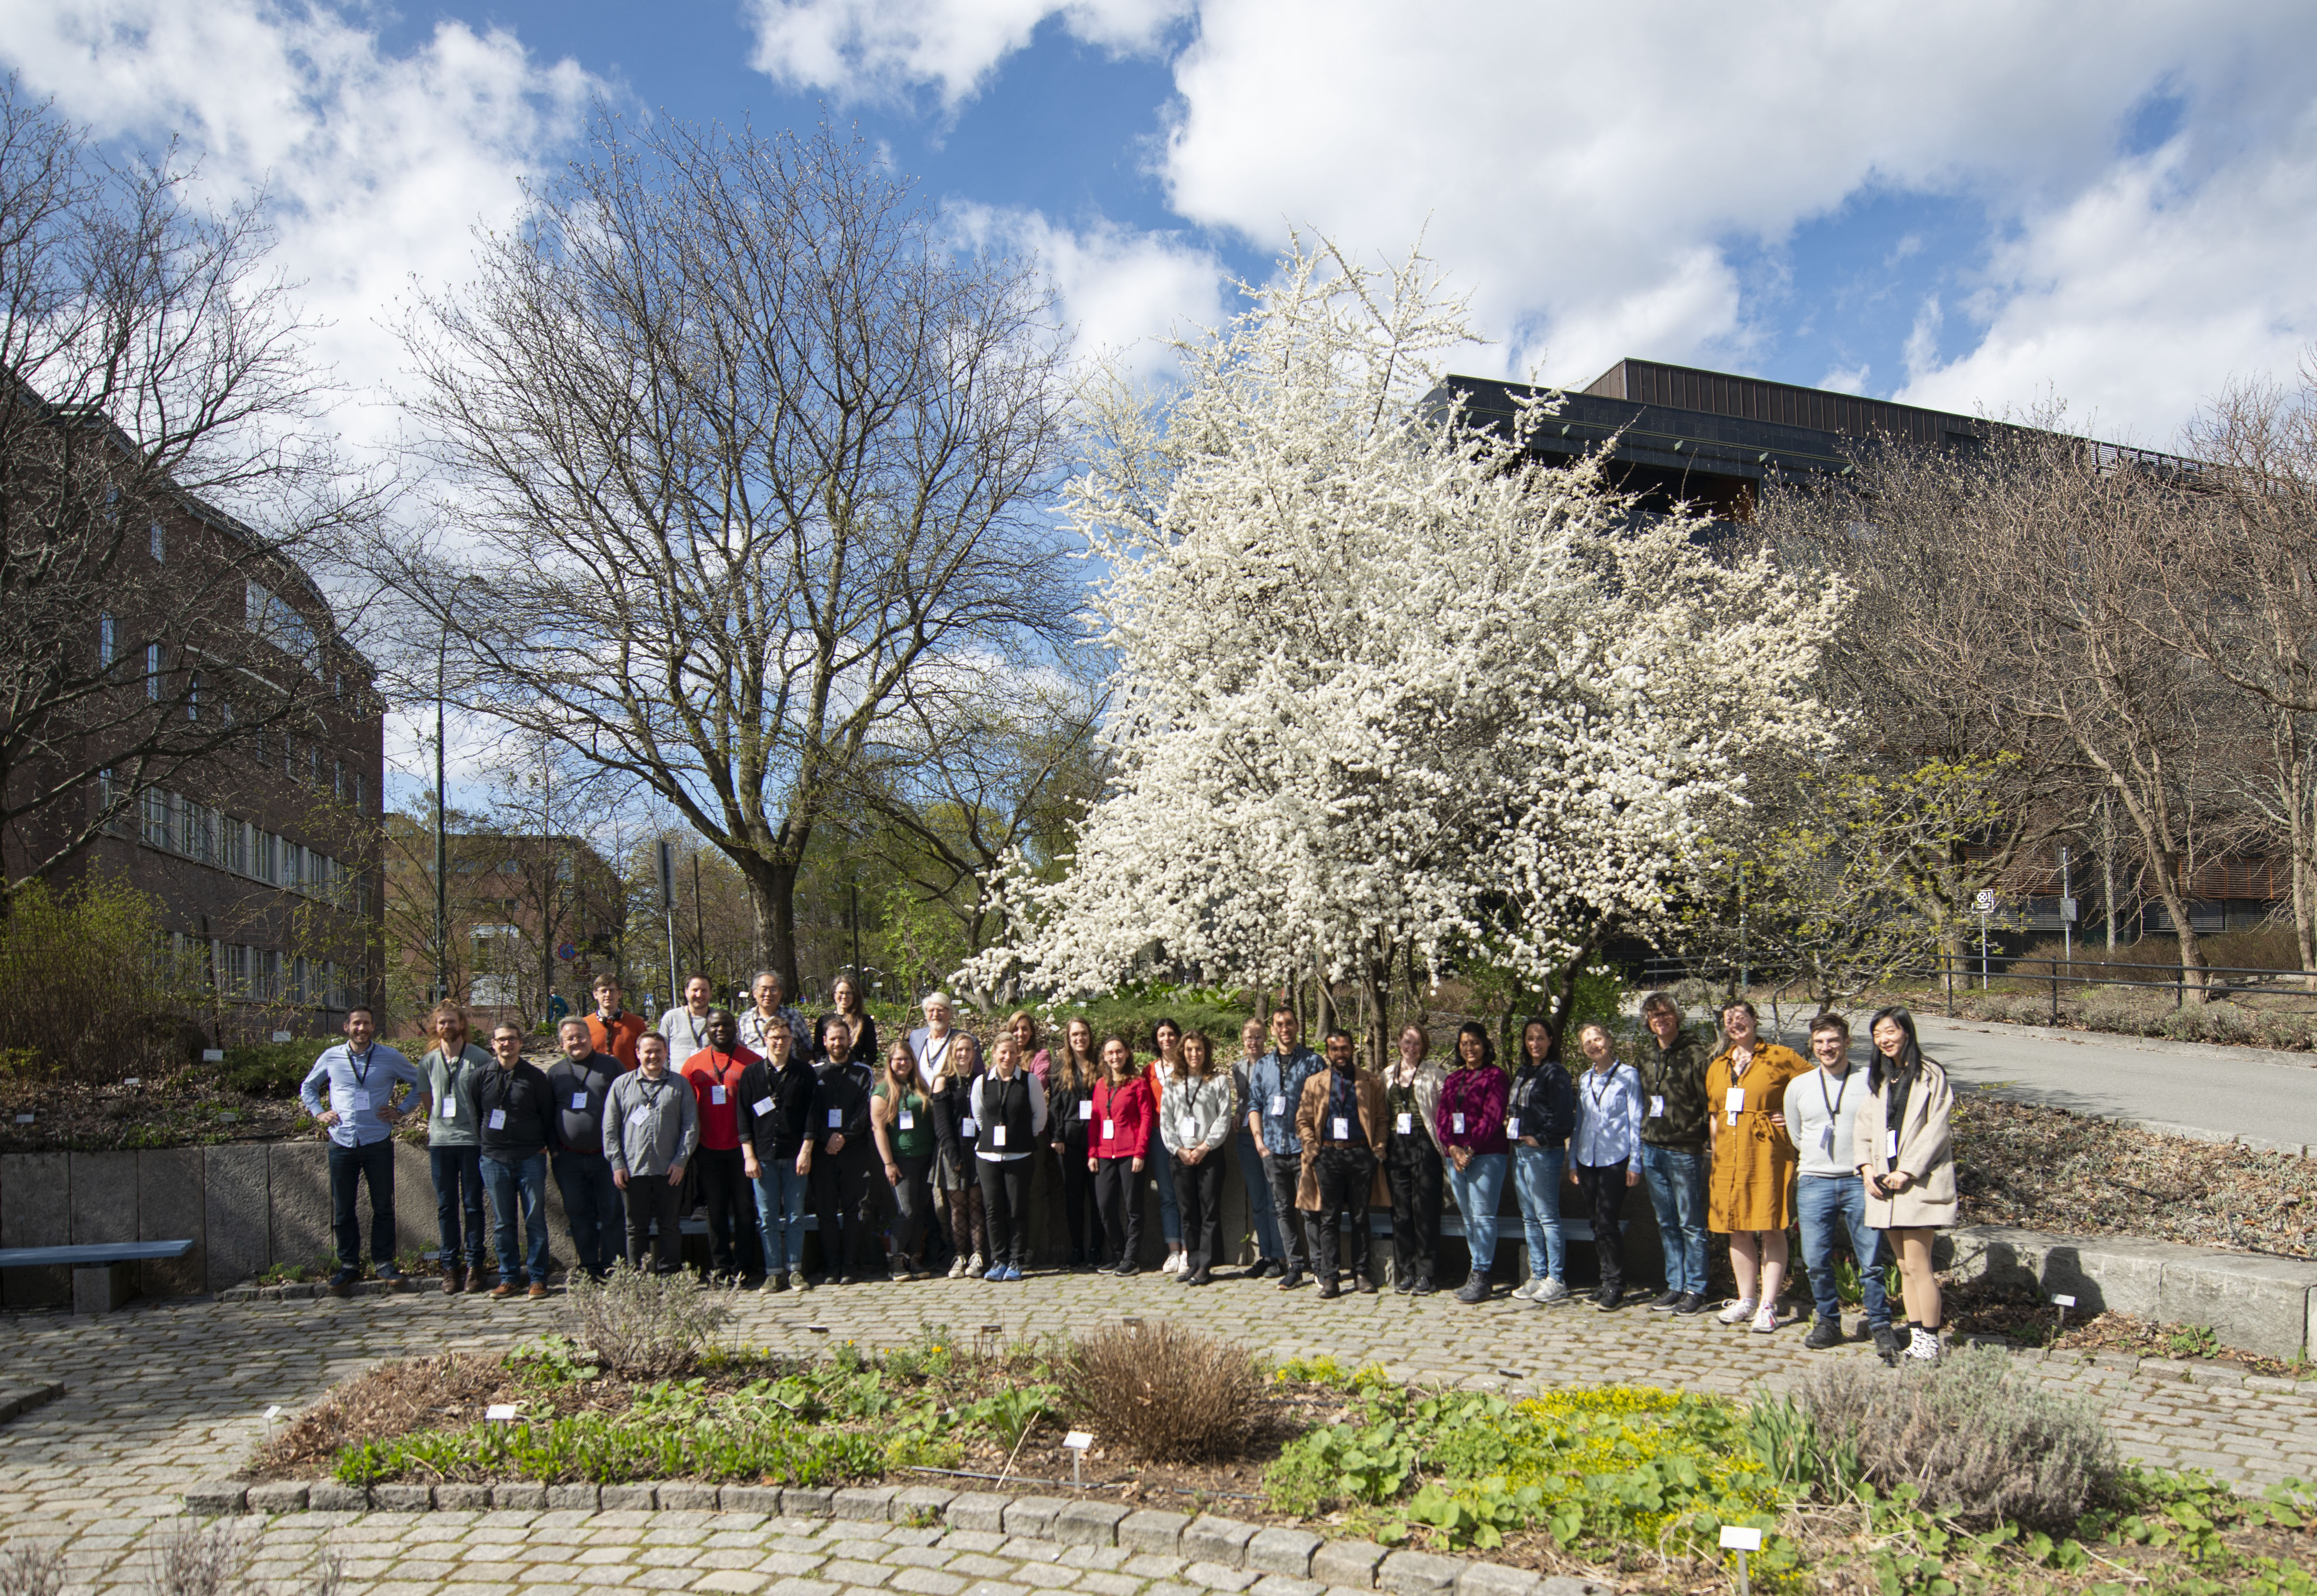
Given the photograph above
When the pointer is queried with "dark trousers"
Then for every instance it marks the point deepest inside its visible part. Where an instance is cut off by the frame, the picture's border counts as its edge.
(913, 1206)
(1199, 1199)
(1118, 1192)
(734, 1245)
(591, 1209)
(1080, 1215)
(372, 1161)
(654, 1200)
(458, 1175)
(1411, 1169)
(1604, 1185)
(843, 1210)
(1005, 1204)
(968, 1226)
(1282, 1171)
(1346, 1175)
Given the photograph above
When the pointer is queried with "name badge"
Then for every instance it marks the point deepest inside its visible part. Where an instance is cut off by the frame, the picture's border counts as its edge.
(1404, 1124)
(1826, 1141)
(450, 1107)
(716, 1095)
(1086, 1110)
(1109, 1130)
(638, 1116)
(499, 1119)
(1512, 1127)
(1279, 1102)
(763, 1105)
(1457, 1124)
(579, 1102)
(1890, 1144)
(966, 1127)
(998, 1135)
(1188, 1131)
(1343, 1129)
(1657, 1108)
(1736, 1100)
(837, 1119)
(364, 1100)
(906, 1120)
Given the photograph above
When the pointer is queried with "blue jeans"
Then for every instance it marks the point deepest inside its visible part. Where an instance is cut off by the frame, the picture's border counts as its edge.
(780, 1194)
(1476, 1188)
(458, 1175)
(1258, 1199)
(1834, 1207)
(1677, 1183)
(1161, 1170)
(593, 1209)
(1536, 1186)
(507, 1182)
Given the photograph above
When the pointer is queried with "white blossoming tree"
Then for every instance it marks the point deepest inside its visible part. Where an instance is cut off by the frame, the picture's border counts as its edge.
(1386, 689)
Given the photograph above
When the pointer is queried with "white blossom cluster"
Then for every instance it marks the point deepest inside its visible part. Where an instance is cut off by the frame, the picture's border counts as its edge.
(1385, 688)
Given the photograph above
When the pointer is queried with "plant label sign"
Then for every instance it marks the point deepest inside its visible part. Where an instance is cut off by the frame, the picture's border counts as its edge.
(280, 1036)
(1735, 1539)
(2065, 1302)
(499, 1412)
(1078, 1441)
(213, 1055)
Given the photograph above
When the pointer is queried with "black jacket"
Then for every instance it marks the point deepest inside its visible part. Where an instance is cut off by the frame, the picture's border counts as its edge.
(580, 1129)
(842, 1092)
(1065, 1129)
(1545, 1099)
(523, 1102)
(952, 1106)
(781, 1133)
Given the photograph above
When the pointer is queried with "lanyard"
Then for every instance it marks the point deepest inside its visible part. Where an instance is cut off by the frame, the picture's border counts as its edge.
(651, 1088)
(1607, 1079)
(692, 1028)
(360, 1072)
(718, 1061)
(1834, 1109)
(933, 1060)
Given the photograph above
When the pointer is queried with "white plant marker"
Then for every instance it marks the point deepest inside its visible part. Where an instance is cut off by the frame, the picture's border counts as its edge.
(1741, 1541)
(1078, 1441)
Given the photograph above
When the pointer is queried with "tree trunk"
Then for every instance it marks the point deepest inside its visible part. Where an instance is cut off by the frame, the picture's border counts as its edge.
(1375, 999)
(1564, 998)
(771, 899)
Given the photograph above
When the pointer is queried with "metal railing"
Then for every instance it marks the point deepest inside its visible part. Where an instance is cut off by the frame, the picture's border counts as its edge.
(1984, 973)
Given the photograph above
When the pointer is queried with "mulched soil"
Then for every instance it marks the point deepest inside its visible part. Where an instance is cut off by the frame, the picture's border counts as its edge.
(184, 1110)
(2031, 1319)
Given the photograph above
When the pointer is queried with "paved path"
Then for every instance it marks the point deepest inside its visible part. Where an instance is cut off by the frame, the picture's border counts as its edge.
(167, 1393)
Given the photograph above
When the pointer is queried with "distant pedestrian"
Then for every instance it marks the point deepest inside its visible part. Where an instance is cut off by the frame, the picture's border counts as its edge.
(579, 1083)
(651, 1129)
(1009, 1107)
(517, 1117)
(1470, 1120)
(1412, 1162)
(1123, 1109)
(454, 1151)
(1340, 1122)
(775, 1122)
(734, 1251)
(611, 1029)
(1605, 1153)
(1275, 1082)
(1672, 1073)
(1195, 1121)
(1829, 1196)
(1750, 1192)
(1539, 1113)
(1904, 1143)
(1249, 1153)
(360, 1076)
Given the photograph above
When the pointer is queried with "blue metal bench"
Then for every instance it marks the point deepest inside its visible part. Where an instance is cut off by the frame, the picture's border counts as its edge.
(103, 1273)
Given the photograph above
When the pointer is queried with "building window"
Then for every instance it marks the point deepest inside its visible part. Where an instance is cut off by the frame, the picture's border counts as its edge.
(293, 866)
(108, 644)
(153, 672)
(155, 807)
(338, 780)
(361, 790)
(160, 544)
(297, 979)
(193, 696)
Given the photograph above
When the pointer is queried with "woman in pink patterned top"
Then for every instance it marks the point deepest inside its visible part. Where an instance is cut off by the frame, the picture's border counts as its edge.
(1470, 1120)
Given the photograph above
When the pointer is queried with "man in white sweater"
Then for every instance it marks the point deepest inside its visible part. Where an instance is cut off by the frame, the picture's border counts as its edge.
(1829, 1198)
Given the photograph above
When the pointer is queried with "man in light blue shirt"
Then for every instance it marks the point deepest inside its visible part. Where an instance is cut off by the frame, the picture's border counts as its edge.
(1276, 1083)
(1604, 1155)
(361, 1077)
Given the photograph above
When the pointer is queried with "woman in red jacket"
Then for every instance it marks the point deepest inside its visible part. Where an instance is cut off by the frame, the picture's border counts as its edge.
(1124, 1111)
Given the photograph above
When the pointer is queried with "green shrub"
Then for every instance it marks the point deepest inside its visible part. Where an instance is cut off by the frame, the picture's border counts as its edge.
(268, 1069)
(1978, 1445)
(87, 992)
(2287, 1032)
(2124, 1011)
(646, 1325)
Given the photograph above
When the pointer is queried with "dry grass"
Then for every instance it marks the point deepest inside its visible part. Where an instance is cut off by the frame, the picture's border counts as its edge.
(1166, 1393)
(392, 1399)
(190, 1561)
(28, 1568)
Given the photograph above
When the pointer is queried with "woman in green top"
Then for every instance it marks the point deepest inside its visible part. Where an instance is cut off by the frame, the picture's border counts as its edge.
(900, 1119)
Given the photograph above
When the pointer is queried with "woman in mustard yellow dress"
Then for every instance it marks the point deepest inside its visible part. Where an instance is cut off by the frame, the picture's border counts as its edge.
(1751, 1196)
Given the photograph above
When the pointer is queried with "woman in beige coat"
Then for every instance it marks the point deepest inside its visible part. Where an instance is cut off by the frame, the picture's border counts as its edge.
(1906, 1155)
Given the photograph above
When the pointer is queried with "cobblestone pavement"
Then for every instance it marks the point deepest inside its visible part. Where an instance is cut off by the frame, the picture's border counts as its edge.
(167, 1393)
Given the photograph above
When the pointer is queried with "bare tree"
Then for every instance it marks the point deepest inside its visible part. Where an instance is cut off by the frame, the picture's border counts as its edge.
(740, 453)
(160, 475)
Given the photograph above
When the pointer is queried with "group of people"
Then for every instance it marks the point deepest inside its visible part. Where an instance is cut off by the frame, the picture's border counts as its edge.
(927, 1151)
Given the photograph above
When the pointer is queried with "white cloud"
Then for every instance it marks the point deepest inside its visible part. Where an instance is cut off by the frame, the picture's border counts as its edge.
(1121, 290)
(377, 166)
(884, 49)
(1851, 379)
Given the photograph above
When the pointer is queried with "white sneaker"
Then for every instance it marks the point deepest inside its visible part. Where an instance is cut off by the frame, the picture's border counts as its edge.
(957, 1270)
(1924, 1346)
(1528, 1289)
(1738, 1312)
(1173, 1266)
(1765, 1323)
(1550, 1293)
(977, 1265)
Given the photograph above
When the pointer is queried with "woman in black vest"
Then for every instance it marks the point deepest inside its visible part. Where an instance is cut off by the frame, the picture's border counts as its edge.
(1069, 1118)
(1009, 1107)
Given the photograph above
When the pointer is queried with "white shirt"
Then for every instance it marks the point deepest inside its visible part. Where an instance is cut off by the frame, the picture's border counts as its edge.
(929, 1053)
(687, 1034)
(1816, 1104)
(1609, 1116)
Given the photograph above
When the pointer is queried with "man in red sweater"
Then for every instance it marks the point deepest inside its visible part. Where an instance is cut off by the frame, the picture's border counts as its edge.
(612, 1030)
(735, 1250)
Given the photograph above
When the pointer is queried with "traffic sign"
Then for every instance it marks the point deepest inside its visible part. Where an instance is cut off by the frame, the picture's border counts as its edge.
(1987, 901)
(567, 953)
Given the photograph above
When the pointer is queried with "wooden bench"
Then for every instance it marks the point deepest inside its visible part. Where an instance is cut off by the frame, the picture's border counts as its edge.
(103, 1273)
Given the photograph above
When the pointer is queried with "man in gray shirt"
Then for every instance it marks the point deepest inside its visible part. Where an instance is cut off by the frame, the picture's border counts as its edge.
(360, 1076)
(651, 1129)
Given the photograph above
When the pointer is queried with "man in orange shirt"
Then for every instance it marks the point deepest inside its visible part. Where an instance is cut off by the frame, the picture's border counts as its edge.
(610, 1030)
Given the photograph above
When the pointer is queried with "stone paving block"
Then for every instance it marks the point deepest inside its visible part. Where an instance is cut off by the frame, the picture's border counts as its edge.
(927, 1582)
(973, 1541)
(219, 1496)
(329, 1496)
(681, 1496)
(402, 1498)
(750, 1499)
(454, 1497)
(1215, 1576)
(975, 1510)
(1212, 1539)
(1416, 1574)
(1047, 1576)
(1279, 1584)
(1278, 1550)
(635, 1498)
(1032, 1515)
(920, 1503)
(1110, 1584)
(518, 1498)
(873, 1502)
(1495, 1579)
(1347, 1562)
(584, 1499)
(805, 1501)
(739, 1581)
(1151, 1531)
(1089, 1523)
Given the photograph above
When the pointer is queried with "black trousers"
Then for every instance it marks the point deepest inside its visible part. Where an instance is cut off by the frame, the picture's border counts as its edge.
(1604, 1185)
(1282, 1171)
(653, 1199)
(913, 1206)
(1346, 1175)
(1079, 1213)
(1412, 1170)
(1118, 1188)
(591, 1209)
(843, 1205)
(735, 1246)
(1006, 1207)
(372, 1162)
(1199, 1199)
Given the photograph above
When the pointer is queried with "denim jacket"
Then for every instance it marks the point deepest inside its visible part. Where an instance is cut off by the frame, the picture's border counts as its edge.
(1276, 1085)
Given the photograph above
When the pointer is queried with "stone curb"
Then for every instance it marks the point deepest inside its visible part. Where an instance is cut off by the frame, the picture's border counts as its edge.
(1278, 1551)
(23, 1398)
